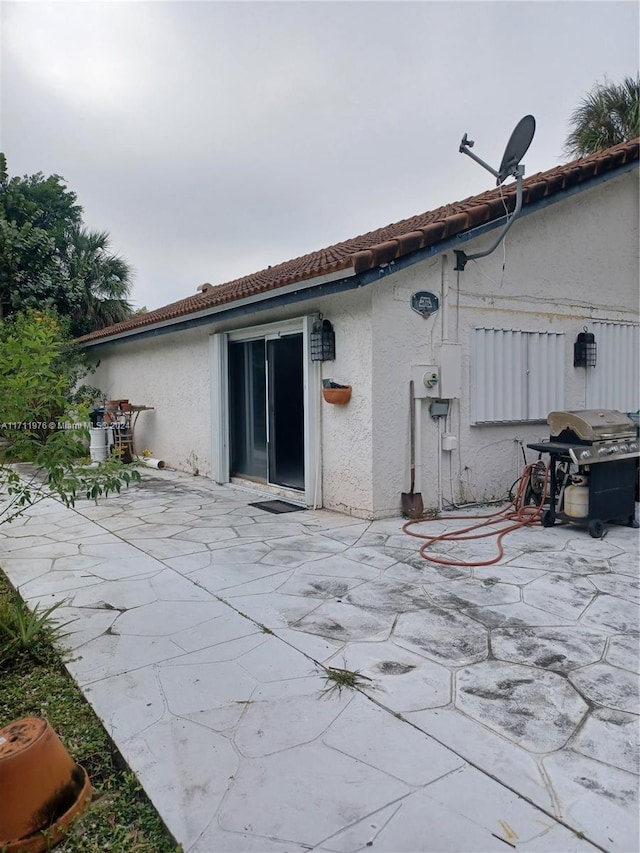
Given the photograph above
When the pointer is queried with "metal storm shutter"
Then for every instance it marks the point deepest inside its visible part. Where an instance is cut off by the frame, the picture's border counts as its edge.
(515, 376)
(614, 383)
(546, 374)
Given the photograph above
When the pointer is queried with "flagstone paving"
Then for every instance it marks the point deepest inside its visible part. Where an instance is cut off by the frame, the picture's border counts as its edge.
(496, 706)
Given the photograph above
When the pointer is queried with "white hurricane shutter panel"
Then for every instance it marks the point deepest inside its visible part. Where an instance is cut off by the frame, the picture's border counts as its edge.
(614, 383)
(516, 376)
(546, 373)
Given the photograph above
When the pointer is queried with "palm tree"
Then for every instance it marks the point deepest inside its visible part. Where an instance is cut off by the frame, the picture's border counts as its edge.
(607, 115)
(99, 281)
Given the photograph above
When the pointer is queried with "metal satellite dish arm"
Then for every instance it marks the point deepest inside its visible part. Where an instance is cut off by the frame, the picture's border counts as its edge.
(462, 257)
(465, 145)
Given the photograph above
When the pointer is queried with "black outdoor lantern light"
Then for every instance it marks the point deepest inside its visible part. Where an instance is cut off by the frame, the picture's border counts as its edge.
(585, 350)
(323, 341)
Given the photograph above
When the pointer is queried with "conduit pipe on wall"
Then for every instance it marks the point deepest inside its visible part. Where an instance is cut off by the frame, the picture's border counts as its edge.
(444, 286)
(417, 404)
(318, 448)
(440, 464)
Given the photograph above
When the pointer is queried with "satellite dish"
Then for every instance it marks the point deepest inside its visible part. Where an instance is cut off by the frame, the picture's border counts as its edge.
(517, 147)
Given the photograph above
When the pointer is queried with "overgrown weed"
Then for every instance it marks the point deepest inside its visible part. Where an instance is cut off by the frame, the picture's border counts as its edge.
(339, 679)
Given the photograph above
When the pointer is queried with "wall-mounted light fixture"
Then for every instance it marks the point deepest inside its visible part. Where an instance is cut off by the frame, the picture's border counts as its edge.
(323, 341)
(585, 350)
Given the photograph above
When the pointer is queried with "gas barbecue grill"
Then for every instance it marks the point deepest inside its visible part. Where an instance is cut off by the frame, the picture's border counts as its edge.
(593, 469)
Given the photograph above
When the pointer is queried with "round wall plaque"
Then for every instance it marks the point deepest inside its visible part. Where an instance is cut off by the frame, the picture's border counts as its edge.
(425, 303)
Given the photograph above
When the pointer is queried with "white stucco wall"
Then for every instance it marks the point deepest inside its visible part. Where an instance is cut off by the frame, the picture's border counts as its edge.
(347, 465)
(566, 265)
(570, 263)
(402, 338)
(170, 373)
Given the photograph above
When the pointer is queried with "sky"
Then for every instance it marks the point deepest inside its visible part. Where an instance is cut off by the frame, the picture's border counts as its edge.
(213, 139)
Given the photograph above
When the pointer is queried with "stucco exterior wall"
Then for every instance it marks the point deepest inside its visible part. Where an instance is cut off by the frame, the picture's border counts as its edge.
(170, 373)
(347, 467)
(402, 338)
(564, 266)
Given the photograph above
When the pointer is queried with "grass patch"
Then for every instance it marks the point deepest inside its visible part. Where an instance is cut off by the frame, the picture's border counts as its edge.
(34, 682)
(339, 679)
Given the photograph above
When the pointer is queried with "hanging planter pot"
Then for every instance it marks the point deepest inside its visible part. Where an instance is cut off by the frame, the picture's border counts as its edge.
(335, 393)
(41, 787)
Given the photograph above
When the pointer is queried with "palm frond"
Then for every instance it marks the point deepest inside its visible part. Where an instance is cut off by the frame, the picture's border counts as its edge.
(606, 116)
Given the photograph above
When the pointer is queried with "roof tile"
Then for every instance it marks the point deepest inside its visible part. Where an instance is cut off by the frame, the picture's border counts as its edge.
(384, 244)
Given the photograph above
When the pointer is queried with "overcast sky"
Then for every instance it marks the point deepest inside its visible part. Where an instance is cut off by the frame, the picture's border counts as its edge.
(212, 139)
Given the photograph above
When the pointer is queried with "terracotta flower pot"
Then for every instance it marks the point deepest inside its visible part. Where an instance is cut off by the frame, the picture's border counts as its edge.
(117, 404)
(341, 396)
(41, 787)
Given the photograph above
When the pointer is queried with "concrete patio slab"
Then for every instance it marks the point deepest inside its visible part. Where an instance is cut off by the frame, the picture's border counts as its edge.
(495, 706)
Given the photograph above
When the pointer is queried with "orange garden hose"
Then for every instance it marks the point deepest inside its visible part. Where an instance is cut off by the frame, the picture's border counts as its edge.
(516, 515)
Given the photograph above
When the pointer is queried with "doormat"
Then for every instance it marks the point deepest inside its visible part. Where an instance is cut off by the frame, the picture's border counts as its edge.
(277, 506)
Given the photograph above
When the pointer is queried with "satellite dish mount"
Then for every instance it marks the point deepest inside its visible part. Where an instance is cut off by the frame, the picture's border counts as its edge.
(517, 147)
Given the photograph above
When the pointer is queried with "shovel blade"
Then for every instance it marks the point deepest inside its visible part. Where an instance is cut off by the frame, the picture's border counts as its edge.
(412, 505)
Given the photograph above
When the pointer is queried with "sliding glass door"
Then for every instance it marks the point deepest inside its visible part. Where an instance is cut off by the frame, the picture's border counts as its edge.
(266, 410)
(247, 410)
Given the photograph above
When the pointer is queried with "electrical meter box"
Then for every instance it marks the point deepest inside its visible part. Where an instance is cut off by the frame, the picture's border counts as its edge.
(426, 380)
(450, 358)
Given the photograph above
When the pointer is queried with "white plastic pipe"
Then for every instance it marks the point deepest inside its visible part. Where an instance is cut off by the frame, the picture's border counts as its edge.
(439, 464)
(444, 286)
(152, 463)
(417, 403)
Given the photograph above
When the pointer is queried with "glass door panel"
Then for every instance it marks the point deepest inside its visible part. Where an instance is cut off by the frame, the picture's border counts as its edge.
(248, 410)
(286, 411)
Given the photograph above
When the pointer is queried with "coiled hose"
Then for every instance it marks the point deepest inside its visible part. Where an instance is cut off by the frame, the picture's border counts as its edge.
(516, 515)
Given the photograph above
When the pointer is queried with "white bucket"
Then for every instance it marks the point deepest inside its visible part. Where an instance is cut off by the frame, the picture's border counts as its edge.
(98, 444)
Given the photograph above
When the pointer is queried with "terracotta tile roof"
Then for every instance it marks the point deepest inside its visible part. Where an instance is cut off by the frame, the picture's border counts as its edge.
(370, 250)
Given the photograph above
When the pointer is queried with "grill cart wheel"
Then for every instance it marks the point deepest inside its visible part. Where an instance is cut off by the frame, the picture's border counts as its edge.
(596, 528)
(548, 520)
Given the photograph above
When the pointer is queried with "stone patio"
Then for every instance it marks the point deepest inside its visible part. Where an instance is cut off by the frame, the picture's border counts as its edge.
(498, 706)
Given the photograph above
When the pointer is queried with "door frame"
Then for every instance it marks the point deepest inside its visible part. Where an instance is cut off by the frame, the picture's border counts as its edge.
(312, 386)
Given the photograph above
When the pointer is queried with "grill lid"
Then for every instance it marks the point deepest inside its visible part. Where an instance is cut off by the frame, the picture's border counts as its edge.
(592, 424)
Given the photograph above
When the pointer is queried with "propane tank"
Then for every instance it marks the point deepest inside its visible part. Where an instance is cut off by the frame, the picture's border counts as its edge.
(576, 497)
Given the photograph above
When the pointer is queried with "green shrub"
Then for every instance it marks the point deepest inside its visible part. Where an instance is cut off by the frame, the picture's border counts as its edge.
(23, 630)
(44, 421)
